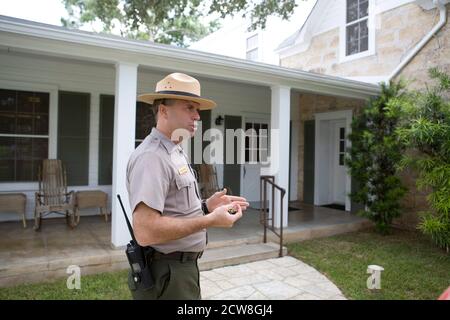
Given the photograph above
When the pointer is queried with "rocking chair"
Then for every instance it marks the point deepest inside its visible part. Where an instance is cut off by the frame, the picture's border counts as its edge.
(53, 196)
(207, 180)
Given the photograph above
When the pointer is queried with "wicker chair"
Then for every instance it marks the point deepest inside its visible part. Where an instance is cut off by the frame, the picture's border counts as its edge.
(53, 196)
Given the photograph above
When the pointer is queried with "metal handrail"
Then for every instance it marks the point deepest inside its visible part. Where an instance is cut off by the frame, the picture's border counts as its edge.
(264, 180)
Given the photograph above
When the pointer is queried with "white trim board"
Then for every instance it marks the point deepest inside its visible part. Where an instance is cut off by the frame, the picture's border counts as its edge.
(321, 163)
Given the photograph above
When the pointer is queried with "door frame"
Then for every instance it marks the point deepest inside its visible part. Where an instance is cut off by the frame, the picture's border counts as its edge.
(322, 174)
(254, 118)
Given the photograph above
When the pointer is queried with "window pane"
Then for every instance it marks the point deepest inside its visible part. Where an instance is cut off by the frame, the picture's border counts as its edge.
(252, 55)
(341, 133)
(342, 146)
(256, 126)
(352, 10)
(25, 101)
(145, 120)
(252, 42)
(363, 8)
(363, 30)
(7, 122)
(24, 123)
(263, 155)
(7, 100)
(341, 159)
(29, 116)
(43, 104)
(364, 44)
(41, 124)
(353, 32)
(7, 158)
(20, 158)
(352, 47)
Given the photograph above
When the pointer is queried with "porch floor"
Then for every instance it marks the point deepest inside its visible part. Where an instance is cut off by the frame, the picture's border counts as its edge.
(46, 254)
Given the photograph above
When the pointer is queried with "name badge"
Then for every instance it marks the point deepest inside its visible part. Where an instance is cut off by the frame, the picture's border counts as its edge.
(183, 170)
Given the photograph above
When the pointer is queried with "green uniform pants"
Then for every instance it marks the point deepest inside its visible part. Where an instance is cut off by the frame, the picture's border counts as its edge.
(174, 280)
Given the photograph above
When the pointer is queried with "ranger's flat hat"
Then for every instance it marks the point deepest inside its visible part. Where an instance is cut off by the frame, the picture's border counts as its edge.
(178, 86)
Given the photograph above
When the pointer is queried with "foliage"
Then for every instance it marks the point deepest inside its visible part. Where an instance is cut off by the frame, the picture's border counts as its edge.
(426, 128)
(373, 156)
(178, 22)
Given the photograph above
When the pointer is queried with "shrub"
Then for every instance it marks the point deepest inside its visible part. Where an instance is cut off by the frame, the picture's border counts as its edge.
(373, 157)
(426, 128)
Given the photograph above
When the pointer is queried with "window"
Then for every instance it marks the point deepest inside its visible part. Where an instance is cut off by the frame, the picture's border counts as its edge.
(145, 121)
(252, 48)
(256, 142)
(24, 121)
(357, 31)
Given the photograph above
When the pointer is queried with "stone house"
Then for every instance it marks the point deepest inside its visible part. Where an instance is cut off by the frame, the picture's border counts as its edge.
(370, 41)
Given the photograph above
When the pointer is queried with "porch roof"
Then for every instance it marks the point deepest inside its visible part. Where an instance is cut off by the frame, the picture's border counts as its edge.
(18, 35)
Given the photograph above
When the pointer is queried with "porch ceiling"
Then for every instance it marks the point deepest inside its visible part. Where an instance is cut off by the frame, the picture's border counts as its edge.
(17, 35)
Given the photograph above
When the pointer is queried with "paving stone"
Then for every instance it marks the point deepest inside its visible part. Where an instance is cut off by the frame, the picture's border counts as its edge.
(266, 279)
(276, 290)
(239, 293)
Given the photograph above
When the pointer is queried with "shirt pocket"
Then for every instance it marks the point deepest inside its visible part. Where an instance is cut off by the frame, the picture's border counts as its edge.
(184, 189)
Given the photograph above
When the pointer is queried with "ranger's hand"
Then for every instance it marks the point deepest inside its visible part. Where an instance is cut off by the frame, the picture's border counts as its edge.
(225, 216)
(220, 198)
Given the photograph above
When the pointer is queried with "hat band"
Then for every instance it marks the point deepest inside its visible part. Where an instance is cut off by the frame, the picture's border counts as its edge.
(181, 93)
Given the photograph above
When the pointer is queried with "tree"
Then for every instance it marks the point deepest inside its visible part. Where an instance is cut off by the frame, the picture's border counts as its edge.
(373, 157)
(426, 128)
(176, 22)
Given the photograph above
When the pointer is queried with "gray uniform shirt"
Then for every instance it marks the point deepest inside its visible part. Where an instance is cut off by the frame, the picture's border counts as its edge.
(159, 175)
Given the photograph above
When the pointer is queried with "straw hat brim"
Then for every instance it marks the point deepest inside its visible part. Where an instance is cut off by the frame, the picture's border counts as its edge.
(204, 104)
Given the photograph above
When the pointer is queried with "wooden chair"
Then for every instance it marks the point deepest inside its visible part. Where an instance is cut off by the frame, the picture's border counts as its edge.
(207, 180)
(14, 202)
(53, 196)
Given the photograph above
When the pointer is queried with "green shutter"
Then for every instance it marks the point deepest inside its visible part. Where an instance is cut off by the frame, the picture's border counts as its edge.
(232, 172)
(205, 118)
(308, 161)
(106, 134)
(73, 135)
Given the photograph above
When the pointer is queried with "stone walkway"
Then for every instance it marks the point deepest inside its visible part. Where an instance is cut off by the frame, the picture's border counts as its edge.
(272, 279)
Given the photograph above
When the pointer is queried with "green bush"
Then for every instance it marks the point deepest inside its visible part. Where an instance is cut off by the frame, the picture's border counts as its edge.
(373, 158)
(426, 127)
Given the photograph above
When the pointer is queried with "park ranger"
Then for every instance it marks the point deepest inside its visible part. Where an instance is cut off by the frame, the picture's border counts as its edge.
(168, 214)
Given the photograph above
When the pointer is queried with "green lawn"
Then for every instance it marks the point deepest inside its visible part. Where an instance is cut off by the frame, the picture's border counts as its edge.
(105, 286)
(413, 267)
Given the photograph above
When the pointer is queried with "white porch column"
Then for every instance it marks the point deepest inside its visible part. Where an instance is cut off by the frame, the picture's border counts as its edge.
(279, 148)
(124, 136)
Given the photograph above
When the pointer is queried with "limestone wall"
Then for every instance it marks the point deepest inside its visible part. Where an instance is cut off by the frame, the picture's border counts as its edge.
(397, 32)
(311, 104)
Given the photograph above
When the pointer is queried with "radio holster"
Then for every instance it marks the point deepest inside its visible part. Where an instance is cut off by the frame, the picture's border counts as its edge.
(139, 258)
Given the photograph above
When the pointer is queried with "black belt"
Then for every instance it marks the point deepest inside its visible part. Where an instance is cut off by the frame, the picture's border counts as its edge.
(177, 255)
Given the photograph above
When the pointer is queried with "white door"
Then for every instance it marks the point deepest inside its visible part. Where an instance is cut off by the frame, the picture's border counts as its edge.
(338, 171)
(256, 152)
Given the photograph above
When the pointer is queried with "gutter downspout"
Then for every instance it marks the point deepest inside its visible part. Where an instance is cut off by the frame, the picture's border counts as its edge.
(421, 44)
